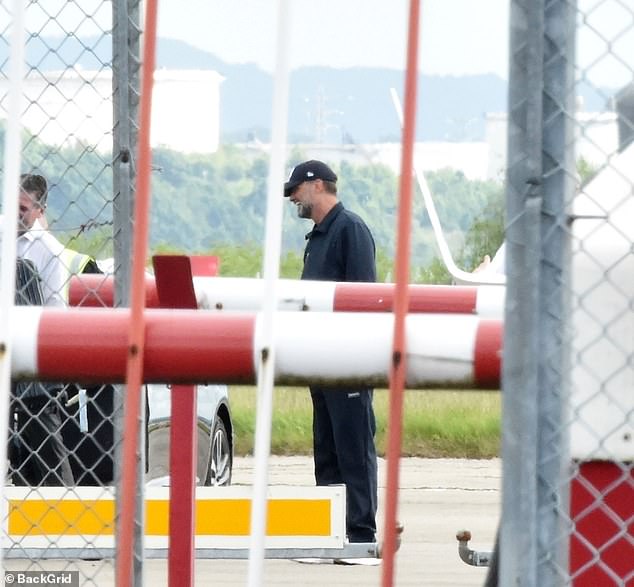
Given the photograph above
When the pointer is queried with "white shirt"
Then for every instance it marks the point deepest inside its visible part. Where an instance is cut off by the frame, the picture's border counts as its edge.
(45, 251)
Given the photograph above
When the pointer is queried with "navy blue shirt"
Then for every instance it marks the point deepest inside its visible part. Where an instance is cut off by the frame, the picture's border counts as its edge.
(340, 248)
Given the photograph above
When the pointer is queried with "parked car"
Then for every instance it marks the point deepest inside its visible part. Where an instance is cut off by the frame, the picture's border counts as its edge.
(88, 433)
(214, 440)
(89, 430)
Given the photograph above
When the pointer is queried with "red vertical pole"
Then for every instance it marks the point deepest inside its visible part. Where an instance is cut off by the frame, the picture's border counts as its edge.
(182, 504)
(175, 288)
(398, 371)
(136, 332)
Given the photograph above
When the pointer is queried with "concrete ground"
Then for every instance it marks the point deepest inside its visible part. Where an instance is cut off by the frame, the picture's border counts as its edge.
(438, 497)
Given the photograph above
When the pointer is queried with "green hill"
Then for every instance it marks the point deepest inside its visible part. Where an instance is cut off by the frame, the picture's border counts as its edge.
(203, 203)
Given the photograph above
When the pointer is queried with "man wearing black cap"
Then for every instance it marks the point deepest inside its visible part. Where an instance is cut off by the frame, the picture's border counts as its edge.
(340, 247)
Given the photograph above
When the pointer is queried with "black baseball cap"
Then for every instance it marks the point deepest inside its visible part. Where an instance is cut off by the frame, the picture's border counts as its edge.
(308, 171)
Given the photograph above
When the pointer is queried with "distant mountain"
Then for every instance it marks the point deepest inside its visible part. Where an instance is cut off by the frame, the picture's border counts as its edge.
(325, 104)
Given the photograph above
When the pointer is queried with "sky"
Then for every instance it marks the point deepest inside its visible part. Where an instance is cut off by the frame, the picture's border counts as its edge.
(457, 36)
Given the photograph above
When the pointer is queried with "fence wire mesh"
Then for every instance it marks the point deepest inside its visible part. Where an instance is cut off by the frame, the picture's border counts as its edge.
(62, 435)
(568, 358)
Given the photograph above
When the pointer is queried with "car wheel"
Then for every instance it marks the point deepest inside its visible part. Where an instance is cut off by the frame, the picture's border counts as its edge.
(220, 461)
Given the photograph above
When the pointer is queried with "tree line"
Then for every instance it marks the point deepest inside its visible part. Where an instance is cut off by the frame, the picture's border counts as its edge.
(216, 204)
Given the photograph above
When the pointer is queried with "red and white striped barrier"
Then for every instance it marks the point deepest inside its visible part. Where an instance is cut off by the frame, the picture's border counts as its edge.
(244, 294)
(189, 346)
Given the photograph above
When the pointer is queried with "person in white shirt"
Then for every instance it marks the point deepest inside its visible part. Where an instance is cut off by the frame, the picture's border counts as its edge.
(36, 243)
(40, 456)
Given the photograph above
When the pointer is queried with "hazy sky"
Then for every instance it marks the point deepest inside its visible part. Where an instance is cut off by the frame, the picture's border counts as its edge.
(457, 36)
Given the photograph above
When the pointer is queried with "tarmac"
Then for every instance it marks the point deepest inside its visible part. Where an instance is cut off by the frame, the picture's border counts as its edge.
(437, 498)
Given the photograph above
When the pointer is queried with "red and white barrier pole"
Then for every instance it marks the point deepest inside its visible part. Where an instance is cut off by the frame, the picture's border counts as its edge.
(245, 294)
(189, 346)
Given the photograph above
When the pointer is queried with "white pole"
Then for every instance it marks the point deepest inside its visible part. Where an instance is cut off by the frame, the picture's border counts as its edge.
(265, 352)
(10, 186)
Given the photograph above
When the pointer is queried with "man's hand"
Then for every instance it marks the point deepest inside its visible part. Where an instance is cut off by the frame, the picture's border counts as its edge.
(485, 263)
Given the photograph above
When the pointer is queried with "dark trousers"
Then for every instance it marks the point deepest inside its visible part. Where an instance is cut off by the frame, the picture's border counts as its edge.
(344, 452)
(37, 453)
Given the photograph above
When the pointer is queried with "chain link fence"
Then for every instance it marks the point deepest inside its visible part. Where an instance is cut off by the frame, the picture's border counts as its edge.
(568, 418)
(79, 110)
(568, 422)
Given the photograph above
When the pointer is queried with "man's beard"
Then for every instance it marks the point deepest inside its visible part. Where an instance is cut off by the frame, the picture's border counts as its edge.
(304, 211)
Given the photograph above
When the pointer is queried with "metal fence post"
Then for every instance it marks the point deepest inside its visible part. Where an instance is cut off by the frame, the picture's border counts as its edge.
(558, 180)
(126, 82)
(518, 550)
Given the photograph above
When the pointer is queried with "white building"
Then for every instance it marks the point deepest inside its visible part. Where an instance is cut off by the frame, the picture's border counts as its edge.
(186, 110)
(75, 106)
(596, 139)
(470, 158)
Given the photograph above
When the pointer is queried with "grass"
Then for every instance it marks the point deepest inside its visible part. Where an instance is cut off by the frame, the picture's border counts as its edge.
(451, 424)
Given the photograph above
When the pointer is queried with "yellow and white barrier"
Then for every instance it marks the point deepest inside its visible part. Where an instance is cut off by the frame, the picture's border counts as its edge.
(72, 518)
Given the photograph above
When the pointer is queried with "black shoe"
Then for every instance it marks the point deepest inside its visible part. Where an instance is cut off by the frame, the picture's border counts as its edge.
(355, 538)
